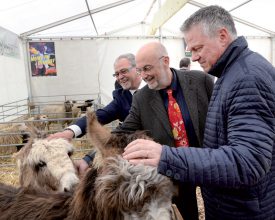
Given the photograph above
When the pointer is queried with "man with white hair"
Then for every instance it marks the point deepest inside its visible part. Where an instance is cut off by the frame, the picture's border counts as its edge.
(118, 108)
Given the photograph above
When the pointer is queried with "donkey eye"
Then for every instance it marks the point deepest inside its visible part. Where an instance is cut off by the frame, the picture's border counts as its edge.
(40, 165)
(70, 153)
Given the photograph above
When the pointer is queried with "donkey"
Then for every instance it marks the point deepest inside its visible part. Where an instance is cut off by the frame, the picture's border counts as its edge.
(47, 164)
(114, 189)
(47, 177)
(28, 204)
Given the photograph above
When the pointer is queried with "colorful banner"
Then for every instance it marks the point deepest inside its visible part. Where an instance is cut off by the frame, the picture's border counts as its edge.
(42, 56)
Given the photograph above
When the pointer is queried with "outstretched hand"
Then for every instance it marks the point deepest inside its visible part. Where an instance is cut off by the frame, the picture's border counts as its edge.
(142, 151)
(67, 134)
(81, 166)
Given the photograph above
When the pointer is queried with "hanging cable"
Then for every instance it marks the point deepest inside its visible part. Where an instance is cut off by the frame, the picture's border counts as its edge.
(87, 4)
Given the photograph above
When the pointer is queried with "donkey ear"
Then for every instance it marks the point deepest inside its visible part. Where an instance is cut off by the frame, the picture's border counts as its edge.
(98, 134)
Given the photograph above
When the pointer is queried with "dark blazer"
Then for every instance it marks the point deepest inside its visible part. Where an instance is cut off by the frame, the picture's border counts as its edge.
(118, 108)
(148, 111)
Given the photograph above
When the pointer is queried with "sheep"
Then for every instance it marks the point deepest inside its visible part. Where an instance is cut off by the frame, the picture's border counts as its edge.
(38, 121)
(55, 112)
(80, 109)
(11, 134)
(46, 164)
(76, 111)
(113, 190)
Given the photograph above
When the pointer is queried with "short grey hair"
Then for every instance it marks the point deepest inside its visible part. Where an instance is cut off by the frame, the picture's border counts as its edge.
(211, 18)
(129, 56)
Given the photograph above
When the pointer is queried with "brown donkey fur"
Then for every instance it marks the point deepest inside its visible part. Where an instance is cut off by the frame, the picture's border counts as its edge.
(120, 190)
(114, 190)
(29, 204)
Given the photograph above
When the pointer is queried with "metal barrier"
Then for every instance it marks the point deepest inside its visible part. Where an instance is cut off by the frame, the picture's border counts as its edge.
(10, 111)
(19, 112)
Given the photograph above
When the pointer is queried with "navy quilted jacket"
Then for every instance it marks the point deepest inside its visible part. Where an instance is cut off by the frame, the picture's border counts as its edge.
(236, 167)
(118, 108)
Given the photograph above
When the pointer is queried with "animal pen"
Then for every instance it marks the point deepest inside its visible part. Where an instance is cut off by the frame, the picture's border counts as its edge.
(15, 116)
(66, 52)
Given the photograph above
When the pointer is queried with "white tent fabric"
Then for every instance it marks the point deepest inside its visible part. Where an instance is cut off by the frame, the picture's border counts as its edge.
(87, 42)
(20, 16)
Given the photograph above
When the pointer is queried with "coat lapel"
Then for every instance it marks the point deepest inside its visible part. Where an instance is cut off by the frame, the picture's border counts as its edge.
(191, 98)
(158, 108)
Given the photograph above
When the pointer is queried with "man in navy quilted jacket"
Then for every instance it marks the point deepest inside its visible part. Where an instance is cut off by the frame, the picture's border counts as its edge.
(236, 166)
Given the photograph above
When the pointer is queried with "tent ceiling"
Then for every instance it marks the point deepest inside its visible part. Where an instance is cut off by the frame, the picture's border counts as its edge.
(253, 17)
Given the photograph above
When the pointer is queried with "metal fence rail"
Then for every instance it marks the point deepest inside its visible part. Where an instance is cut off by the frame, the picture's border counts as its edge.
(20, 111)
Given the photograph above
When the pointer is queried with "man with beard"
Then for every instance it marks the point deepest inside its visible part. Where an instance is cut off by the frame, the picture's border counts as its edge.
(118, 108)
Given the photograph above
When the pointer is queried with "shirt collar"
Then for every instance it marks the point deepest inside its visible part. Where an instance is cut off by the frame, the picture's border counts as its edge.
(141, 85)
(174, 82)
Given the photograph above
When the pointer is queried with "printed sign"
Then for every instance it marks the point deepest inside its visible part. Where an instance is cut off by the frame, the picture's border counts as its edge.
(42, 56)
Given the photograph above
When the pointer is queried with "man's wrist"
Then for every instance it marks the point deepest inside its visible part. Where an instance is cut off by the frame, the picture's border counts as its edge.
(89, 157)
(69, 129)
(76, 129)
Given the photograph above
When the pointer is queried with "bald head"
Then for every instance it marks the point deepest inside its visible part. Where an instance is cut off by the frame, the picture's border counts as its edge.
(152, 50)
(153, 65)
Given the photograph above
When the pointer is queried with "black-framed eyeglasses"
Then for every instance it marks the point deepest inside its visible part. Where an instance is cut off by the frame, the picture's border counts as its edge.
(146, 68)
(123, 71)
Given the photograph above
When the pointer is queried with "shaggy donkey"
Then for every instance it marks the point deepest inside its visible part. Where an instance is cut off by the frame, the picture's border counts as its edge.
(29, 204)
(113, 190)
(46, 174)
(118, 189)
(47, 164)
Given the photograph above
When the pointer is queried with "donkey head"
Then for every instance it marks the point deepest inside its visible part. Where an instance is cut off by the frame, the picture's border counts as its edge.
(118, 189)
(47, 165)
(109, 144)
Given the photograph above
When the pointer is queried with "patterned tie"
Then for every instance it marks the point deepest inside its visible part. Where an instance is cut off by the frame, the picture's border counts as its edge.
(176, 121)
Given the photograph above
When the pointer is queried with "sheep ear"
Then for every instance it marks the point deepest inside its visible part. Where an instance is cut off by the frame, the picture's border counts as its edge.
(98, 134)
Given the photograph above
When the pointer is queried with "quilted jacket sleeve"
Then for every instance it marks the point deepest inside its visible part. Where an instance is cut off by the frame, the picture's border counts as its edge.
(248, 111)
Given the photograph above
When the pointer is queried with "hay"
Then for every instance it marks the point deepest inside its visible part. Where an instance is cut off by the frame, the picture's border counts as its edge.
(200, 204)
(9, 175)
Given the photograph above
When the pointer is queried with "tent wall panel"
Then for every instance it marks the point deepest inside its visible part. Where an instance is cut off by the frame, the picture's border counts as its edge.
(86, 66)
(77, 71)
(261, 46)
(13, 84)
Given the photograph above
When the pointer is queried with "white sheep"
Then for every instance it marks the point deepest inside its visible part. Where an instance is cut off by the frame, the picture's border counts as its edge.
(38, 121)
(58, 111)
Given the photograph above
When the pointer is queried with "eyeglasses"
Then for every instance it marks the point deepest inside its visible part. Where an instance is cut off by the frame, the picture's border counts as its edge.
(146, 68)
(123, 71)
